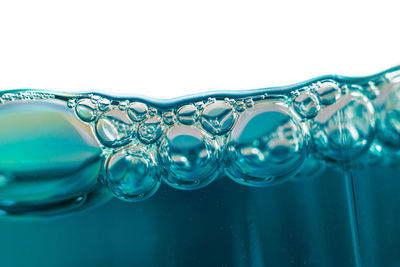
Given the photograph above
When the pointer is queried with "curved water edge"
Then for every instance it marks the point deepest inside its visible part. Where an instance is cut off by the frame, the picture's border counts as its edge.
(258, 137)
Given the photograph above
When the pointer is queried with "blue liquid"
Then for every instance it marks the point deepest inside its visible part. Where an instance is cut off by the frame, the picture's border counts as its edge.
(313, 176)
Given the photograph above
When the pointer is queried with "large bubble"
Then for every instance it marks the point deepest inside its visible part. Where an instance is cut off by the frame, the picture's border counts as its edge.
(388, 115)
(190, 157)
(266, 145)
(345, 129)
(132, 174)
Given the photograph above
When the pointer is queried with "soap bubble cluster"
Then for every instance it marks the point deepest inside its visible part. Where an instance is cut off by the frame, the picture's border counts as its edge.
(258, 140)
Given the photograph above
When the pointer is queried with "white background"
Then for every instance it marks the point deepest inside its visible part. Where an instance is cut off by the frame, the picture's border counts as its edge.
(170, 48)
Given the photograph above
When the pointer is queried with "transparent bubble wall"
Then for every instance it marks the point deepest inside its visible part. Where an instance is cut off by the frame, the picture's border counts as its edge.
(304, 175)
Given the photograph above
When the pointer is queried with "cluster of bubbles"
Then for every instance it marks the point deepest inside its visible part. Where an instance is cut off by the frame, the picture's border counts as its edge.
(256, 141)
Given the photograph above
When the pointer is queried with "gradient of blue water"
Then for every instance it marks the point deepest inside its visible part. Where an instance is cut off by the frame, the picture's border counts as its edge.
(225, 224)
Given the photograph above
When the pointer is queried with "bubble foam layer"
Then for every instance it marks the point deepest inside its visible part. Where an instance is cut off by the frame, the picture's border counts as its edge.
(58, 148)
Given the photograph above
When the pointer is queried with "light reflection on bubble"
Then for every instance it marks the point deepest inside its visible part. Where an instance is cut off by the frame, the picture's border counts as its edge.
(190, 158)
(345, 129)
(266, 145)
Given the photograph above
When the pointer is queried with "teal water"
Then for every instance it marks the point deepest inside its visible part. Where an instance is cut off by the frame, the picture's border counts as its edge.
(303, 175)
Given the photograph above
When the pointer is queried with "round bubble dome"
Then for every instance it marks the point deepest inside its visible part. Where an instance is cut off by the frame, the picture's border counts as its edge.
(266, 146)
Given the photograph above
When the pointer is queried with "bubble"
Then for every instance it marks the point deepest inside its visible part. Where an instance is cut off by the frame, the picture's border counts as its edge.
(153, 111)
(123, 105)
(114, 128)
(190, 157)
(266, 145)
(240, 106)
(169, 118)
(137, 111)
(150, 130)
(249, 103)
(306, 104)
(345, 129)
(218, 118)
(70, 103)
(132, 174)
(199, 105)
(104, 104)
(86, 110)
(95, 98)
(388, 115)
(188, 114)
(328, 92)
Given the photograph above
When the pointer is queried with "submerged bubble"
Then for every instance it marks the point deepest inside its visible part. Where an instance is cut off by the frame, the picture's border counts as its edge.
(150, 130)
(190, 158)
(306, 104)
(218, 118)
(345, 129)
(114, 128)
(266, 145)
(137, 111)
(132, 174)
(187, 114)
(86, 110)
(328, 92)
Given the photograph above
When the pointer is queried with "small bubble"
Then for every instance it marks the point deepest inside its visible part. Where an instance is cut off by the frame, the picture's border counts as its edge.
(212, 100)
(123, 105)
(153, 111)
(218, 118)
(150, 130)
(95, 98)
(328, 92)
(169, 118)
(187, 114)
(137, 111)
(86, 110)
(249, 102)
(71, 103)
(104, 104)
(240, 106)
(199, 105)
